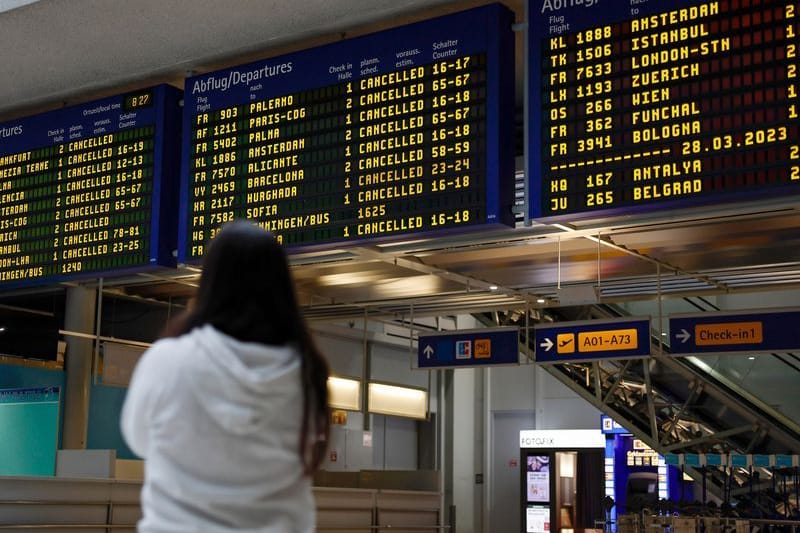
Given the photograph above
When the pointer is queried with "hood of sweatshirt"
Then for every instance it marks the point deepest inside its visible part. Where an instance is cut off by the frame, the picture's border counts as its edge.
(251, 382)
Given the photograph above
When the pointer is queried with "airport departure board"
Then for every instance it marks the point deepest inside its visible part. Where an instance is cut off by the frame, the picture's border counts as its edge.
(82, 188)
(404, 131)
(645, 105)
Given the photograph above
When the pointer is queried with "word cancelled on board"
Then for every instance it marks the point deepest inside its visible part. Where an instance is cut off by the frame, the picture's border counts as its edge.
(395, 133)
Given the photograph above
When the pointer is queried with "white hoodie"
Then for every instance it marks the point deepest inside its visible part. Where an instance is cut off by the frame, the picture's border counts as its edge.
(218, 422)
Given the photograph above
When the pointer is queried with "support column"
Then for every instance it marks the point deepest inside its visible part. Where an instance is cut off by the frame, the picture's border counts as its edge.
(79, 317)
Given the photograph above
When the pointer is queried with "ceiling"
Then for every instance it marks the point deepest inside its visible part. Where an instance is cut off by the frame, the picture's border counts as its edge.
(57, 52)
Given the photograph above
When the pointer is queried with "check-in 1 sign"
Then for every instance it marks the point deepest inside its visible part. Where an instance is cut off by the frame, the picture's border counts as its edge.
(593, 339)
(727, 332)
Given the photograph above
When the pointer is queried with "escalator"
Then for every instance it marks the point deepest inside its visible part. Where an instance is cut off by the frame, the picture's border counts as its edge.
(687, 404)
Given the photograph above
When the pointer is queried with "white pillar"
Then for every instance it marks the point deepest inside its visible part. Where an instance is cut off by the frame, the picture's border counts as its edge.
(80, 316)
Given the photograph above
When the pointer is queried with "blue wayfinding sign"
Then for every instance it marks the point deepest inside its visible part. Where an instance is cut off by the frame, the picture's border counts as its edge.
(774, 331)
(477, 347)
(592, 339)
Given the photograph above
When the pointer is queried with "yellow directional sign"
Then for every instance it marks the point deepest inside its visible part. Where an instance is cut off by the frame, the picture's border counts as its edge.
(608, 340)
(592, 339)
(729, 333)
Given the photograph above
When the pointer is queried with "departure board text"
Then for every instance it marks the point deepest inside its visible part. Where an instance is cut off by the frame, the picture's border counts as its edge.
(650, 105)
(80, 189)
(383, 135)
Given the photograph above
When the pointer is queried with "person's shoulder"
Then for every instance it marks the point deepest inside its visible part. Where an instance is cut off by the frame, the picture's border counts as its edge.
(168, 352)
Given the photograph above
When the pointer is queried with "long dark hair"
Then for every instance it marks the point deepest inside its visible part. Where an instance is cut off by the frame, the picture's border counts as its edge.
(246, 291)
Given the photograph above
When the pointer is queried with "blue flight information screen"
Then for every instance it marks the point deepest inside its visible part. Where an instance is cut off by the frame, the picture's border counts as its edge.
(85, 190)
(404, 131)
(640, 105)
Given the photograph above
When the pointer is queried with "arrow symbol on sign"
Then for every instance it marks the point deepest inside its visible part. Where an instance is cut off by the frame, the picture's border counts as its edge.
(547, 344)
(428, 351)
(683, 336)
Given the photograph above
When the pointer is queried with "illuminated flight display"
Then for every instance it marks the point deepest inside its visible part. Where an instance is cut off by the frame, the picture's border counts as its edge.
(82, 188)
(404, 131)
(645, 105)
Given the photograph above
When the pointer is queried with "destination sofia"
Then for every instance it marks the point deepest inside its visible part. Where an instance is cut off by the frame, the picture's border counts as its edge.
(235, 77)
